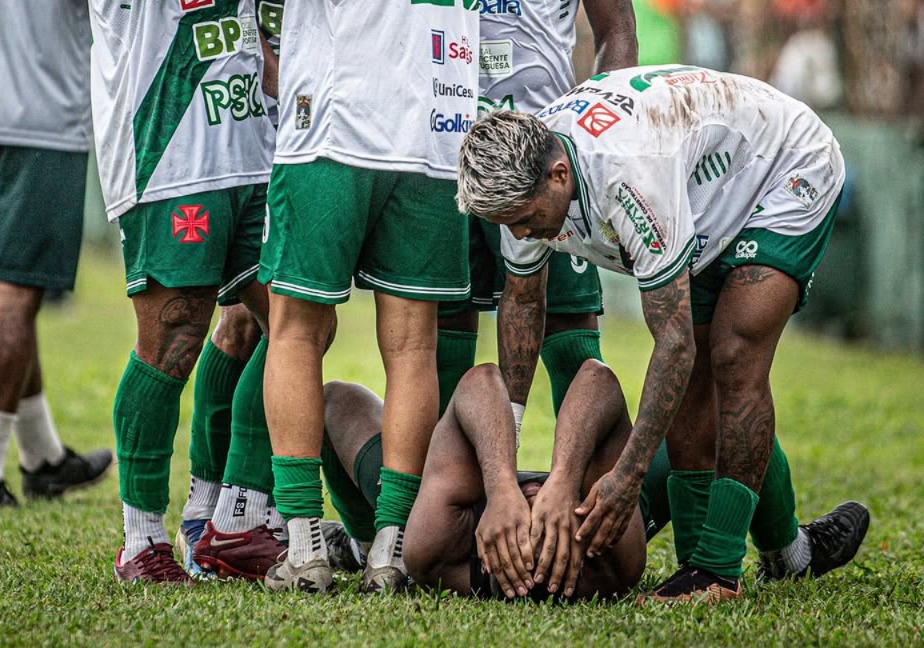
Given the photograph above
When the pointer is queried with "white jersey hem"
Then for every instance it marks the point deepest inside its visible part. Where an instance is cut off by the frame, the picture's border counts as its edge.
(401, 165)
(117, 209)
(54, 142)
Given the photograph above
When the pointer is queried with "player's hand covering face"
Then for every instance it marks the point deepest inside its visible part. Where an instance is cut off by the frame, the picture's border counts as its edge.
(503, 542)
(554, 526)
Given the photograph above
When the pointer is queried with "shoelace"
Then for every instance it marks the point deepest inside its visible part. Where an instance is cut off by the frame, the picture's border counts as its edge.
(160, 565)
(828, 535)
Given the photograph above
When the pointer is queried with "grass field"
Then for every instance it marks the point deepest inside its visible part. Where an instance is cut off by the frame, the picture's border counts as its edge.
(850, 418)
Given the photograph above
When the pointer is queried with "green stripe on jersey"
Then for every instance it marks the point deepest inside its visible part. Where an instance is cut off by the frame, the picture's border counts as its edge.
(171, 92)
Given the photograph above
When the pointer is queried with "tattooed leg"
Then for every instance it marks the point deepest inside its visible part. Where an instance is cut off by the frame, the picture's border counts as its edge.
(754, 306)
(172, 325)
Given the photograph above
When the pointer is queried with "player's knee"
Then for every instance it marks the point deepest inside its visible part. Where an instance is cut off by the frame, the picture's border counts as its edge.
(733, 361)
(421, 556)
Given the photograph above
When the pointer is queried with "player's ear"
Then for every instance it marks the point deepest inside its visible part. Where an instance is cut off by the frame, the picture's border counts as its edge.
(558, 171)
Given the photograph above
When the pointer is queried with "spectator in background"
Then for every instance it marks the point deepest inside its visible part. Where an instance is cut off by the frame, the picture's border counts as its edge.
(808, 66)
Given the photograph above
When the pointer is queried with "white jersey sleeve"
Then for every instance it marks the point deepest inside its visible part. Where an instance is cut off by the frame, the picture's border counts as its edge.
(525, 257)
(45, 67)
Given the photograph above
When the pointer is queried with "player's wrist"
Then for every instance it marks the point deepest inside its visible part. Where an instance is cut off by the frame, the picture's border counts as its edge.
(518, 410)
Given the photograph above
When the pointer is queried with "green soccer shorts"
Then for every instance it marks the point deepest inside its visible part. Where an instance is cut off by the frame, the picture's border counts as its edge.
(204, 239)
(573, 283)
(41, 202)
(796, 256)
(396, 233)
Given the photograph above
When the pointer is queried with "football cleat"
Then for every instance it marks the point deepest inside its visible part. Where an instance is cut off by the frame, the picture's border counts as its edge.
(186, 538)
(385, 570)
(6, 497)
(74, 471)
(693, 585)
(244, 554)
(153, 565)
(342, 551)
(312, 577)
(836, 537)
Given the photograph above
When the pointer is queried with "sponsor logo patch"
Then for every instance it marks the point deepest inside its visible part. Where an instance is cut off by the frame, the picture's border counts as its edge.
(746, 250)
(455, 123)
(496, 7)
(240, 95)
(441, 89)
(574, 105)
(622, 102)
(190, 223)
(226, 37)
(598, 120)
(643, 219)
(495, 58)
(486, 105)
(802, 189)
(441, 48)
(302, 112)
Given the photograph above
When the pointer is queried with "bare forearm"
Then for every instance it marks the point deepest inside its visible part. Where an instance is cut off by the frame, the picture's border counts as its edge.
(520, 329)
(592, 412)
(667, 312)
(482, 410)
(614, 29)
(270, 69)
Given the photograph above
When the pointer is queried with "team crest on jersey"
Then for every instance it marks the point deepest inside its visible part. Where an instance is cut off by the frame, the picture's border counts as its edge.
(192, 5)
(302, 112)
(802, 189)
(598, 120)
(190, 223)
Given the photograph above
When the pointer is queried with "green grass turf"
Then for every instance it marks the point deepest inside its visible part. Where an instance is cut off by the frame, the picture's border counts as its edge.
(850, 418)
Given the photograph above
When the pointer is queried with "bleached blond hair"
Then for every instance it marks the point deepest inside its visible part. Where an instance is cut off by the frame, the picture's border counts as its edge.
(503, 163)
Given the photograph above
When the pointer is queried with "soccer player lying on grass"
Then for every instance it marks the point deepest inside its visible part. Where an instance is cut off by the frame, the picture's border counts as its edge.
(474, 507)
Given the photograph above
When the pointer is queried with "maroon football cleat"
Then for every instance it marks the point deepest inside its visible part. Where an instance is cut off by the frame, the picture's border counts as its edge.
(245, 554)
(153, 565)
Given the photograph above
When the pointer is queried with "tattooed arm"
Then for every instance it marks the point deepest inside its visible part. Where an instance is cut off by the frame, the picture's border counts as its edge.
(520, 327)
(613, 26)
(611, 501)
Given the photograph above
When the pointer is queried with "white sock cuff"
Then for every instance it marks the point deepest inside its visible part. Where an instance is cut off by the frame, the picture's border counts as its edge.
(306, 542)
(33, 405)
(202, 500)
(7, 421)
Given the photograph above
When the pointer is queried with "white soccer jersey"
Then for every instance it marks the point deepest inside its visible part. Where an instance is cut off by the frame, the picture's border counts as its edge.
(45, 67)
(378, 85)
(177, 105)
(525, 53)
(671, 163)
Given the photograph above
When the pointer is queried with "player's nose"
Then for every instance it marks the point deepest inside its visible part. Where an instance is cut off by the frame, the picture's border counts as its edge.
(520, 232)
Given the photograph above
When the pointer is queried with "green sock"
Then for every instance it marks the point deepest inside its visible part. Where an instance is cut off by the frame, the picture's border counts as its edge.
(145, 415)
(723, 543)
(250, 454)
(653, 499)
(357, 516)
(775, 524)
(455, 354)
(298, 487)
(563, 354)
(399, 490)
(213, 390)
(688, 493)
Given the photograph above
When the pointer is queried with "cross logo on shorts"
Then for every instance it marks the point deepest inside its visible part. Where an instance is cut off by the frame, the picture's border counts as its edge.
(190, 223)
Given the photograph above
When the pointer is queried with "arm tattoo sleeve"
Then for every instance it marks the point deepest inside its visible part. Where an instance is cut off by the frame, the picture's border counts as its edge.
(520, 328)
